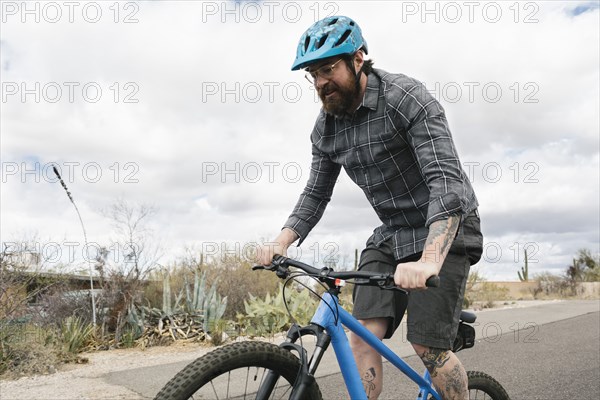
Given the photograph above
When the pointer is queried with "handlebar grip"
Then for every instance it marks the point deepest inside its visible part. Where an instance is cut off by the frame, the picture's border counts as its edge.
(433, 281)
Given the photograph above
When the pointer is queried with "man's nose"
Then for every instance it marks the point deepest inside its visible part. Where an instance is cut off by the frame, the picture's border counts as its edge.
(320, 81)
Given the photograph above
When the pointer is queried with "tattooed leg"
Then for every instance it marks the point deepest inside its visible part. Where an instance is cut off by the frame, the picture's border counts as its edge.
(447, 373)
(367, 359)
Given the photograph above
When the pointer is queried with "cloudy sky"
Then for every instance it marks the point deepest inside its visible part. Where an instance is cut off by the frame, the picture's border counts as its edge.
(191, 107)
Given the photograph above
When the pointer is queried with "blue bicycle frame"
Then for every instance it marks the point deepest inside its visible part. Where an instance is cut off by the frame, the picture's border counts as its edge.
(331, 317)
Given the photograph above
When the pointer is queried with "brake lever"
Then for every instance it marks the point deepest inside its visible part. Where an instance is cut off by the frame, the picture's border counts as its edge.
(386, 282)
(275, 263)
(391, 286)
(278, 265)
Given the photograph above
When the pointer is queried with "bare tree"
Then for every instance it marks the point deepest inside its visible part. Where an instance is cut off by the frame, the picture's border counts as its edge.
(22, 277)
(124, 274)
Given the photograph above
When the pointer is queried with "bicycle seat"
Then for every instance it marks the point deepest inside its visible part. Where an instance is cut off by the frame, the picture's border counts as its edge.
(468, 317)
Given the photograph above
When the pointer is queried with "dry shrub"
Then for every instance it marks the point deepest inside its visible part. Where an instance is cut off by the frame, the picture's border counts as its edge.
(234, 278)
(61, 303)
(480, 291)
(237, 281)
(552, 286)
(24, 346)
(29, 349)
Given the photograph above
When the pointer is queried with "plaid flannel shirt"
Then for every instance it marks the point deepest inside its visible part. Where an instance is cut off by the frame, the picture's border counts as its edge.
(398, 149)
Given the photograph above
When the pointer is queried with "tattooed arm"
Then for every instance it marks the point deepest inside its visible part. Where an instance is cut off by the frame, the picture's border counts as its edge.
(412, 275)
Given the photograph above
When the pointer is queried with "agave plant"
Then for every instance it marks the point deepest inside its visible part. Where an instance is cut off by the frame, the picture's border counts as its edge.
(207, 302)
(199, 299)
(76, 334)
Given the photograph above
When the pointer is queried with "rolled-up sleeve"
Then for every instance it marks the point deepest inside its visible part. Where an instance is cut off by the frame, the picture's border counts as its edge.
(435, 152)
(316, 195)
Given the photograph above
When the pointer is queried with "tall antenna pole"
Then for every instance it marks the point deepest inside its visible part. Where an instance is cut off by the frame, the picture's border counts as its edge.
(86, 243)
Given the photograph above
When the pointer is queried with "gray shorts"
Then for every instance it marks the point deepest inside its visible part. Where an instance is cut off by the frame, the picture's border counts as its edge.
(433, 313)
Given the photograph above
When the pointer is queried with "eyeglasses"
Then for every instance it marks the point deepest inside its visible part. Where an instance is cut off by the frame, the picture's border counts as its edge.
(326, 72)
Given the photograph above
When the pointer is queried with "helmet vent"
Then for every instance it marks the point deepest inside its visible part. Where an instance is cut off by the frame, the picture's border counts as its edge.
(343, 38)
(333, 36)
(321, 41)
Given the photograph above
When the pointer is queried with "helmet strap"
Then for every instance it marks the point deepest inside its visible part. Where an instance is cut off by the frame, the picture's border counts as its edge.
(357, 75)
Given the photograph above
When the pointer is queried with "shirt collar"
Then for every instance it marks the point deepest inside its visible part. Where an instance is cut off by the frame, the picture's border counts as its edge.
(371, 92)
(370, 97)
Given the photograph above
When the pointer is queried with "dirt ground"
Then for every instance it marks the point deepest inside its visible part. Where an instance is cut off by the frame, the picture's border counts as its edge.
(84, 381)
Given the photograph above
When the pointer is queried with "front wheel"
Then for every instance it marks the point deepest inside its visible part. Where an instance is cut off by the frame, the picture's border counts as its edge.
(484, 387)
(236, 371)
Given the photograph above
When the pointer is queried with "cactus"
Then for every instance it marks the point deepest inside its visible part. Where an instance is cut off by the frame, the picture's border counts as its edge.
(208, 302)
(168, 308)
(270, 316)
(166, 294)
(198, 299)
(135, 321)
(525, 270)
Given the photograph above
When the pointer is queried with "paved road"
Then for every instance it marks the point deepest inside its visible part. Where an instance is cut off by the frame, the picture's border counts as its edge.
(546, 352)
(555, 361)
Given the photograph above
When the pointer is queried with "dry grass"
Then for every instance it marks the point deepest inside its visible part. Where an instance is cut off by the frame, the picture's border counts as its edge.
(32, 350)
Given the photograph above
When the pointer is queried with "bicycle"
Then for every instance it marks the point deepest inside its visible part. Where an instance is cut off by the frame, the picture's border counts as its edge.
(253, 369)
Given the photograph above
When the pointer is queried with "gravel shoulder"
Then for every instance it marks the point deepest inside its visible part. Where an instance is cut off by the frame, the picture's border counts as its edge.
(83, 381)
(86, 381)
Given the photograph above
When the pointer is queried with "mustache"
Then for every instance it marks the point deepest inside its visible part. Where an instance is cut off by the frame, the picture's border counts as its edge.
(329, 87)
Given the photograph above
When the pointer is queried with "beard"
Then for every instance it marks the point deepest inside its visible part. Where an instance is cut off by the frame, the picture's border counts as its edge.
(338, 99)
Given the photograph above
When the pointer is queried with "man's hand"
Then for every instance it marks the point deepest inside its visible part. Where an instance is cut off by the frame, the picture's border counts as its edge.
(278, 246)
(412, 275)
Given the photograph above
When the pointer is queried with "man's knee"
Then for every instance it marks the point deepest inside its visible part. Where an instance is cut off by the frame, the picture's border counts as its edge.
(377, 326)
(419, 349)
(433, 358)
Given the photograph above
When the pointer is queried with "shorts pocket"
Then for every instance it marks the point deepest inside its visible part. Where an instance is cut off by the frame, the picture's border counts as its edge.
(473, 237)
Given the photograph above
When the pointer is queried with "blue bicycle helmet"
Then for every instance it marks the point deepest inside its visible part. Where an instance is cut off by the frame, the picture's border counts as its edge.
(329, 37)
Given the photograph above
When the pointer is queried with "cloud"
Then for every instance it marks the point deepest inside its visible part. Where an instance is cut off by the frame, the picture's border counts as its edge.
(194, 109)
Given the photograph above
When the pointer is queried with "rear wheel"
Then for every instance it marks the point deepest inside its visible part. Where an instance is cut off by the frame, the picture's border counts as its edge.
(236, 371)
(484, 387)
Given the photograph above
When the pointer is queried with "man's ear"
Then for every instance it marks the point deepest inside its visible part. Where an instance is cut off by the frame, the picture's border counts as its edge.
(359, 59)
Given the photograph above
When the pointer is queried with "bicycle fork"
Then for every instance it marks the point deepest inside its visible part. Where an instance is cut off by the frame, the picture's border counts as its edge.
(306, 374)
(327, 328)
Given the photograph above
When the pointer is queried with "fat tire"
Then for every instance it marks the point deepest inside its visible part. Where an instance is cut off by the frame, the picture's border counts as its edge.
(228, 358)
(486, 384)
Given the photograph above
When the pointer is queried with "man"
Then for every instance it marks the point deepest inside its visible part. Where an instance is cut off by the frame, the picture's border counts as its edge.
(392, 138)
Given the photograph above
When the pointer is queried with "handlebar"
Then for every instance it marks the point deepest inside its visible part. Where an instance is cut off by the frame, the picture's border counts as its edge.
(280, 265)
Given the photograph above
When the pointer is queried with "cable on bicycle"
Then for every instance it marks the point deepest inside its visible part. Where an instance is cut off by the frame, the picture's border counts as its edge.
(295, 275)
(292, 277)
